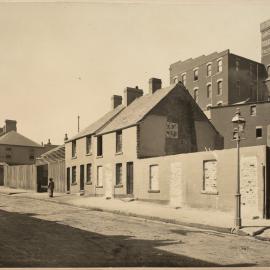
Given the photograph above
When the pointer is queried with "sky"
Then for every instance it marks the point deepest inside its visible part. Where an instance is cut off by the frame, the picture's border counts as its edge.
(60, 59)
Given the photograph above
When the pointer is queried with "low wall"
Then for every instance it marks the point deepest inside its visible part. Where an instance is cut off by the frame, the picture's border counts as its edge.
(21, 176)
(205, 179)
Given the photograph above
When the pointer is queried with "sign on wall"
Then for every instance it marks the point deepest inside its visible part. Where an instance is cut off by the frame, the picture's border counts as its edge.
(172, 130)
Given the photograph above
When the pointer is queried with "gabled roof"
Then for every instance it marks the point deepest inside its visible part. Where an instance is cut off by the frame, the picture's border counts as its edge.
(98, 124)
(15, 138)
(135, 112)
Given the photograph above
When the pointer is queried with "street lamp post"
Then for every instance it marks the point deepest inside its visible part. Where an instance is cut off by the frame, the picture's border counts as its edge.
(239, 125)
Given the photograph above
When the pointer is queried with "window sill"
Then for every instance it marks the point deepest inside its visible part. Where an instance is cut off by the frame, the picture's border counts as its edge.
(88, 183)
(258, 138)
(119, 186)
(209, 192)
(99, 186)
(74, 183)
(153, 191)
(119, 153)
(74, 157)
(100, 156)
(88, 154)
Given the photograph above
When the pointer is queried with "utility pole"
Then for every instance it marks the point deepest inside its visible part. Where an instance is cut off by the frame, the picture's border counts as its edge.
(78, 123)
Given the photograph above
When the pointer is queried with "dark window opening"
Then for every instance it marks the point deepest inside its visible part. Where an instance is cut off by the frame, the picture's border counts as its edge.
(118, 141)
(99, 146)
(118, 174)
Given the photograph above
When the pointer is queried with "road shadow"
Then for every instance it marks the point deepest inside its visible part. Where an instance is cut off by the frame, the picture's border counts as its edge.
(27, 241)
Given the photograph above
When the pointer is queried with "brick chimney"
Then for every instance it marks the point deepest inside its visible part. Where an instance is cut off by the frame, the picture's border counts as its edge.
(10, 125)
(154, 85)
(116, 101)
(130, 94)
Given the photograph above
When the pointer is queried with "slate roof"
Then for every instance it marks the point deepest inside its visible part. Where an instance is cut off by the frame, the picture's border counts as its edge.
(15, 138)
(135, 112)
(98, 124)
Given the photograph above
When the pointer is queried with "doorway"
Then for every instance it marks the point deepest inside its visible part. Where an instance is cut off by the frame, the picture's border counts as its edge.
(81, 177)
(1, 175)
(129, 178)
(42, 178)
(68, 180)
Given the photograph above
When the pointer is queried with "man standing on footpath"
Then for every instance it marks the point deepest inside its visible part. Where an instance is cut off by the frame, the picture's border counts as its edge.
(51, 187)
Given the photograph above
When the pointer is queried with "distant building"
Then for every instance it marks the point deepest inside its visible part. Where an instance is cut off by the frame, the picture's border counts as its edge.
(15, 148)
(257, 130)
(221, 78)
(265, 53)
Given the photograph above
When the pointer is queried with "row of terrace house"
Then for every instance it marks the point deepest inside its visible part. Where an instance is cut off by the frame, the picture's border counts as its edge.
(102, 159)
(161, 147)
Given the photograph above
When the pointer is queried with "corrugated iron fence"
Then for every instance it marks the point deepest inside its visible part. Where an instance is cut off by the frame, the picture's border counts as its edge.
(57, 170)
(25, 176)
(20, 176)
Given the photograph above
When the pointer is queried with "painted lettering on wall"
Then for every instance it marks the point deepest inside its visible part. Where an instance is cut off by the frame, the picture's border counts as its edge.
(172, 130)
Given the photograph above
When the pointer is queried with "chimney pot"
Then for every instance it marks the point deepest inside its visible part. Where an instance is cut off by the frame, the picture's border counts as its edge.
(66, 137)
(49, 142)
(154, 85)
(130, 94)
(116, 101)
(10, 125)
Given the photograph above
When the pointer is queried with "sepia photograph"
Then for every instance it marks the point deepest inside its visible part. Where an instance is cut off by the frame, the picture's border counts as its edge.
(134, 133)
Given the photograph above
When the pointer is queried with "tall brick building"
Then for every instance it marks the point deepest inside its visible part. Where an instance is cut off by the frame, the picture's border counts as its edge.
(265, 39)
(221, 78)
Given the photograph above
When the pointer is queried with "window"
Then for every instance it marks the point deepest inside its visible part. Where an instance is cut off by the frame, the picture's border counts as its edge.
(8, 156)
(258, 132)
(74, 149)
(209, 70)
(99, 146)
(196, 74)
(88, 144)
(184, 79)
(119, 141)
(253, 110)
(31, 154)
(73, 179)
(118, 172)
(219, 65)
(196, 94)
(238, 89)
(89, 173)
(8, 148)
(268, 70)
(219, 88)
(175, 79)
(209, 90)
(210, 176)
(154, 175)
(237, 65)
(99, 176)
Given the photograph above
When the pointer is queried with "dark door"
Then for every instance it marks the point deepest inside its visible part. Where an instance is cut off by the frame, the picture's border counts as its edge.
(1, 175)
(68, 180)
(82, 177)
(130, 178)
(42, 178)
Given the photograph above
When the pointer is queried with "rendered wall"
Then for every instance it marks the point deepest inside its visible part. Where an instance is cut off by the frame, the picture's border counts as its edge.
(181, 179)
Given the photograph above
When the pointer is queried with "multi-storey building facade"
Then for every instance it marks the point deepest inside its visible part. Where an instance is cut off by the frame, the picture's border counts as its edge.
(221, 78)
(265, 53)
(166, 121)
(257, 128)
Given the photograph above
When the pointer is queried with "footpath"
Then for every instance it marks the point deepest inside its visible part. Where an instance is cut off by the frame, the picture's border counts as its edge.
(199, 218)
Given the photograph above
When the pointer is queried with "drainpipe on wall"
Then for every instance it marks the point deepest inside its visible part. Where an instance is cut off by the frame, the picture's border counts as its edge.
(264, 191)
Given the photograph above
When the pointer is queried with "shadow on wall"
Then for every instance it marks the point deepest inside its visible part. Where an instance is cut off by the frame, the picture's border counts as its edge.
(31, 242)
